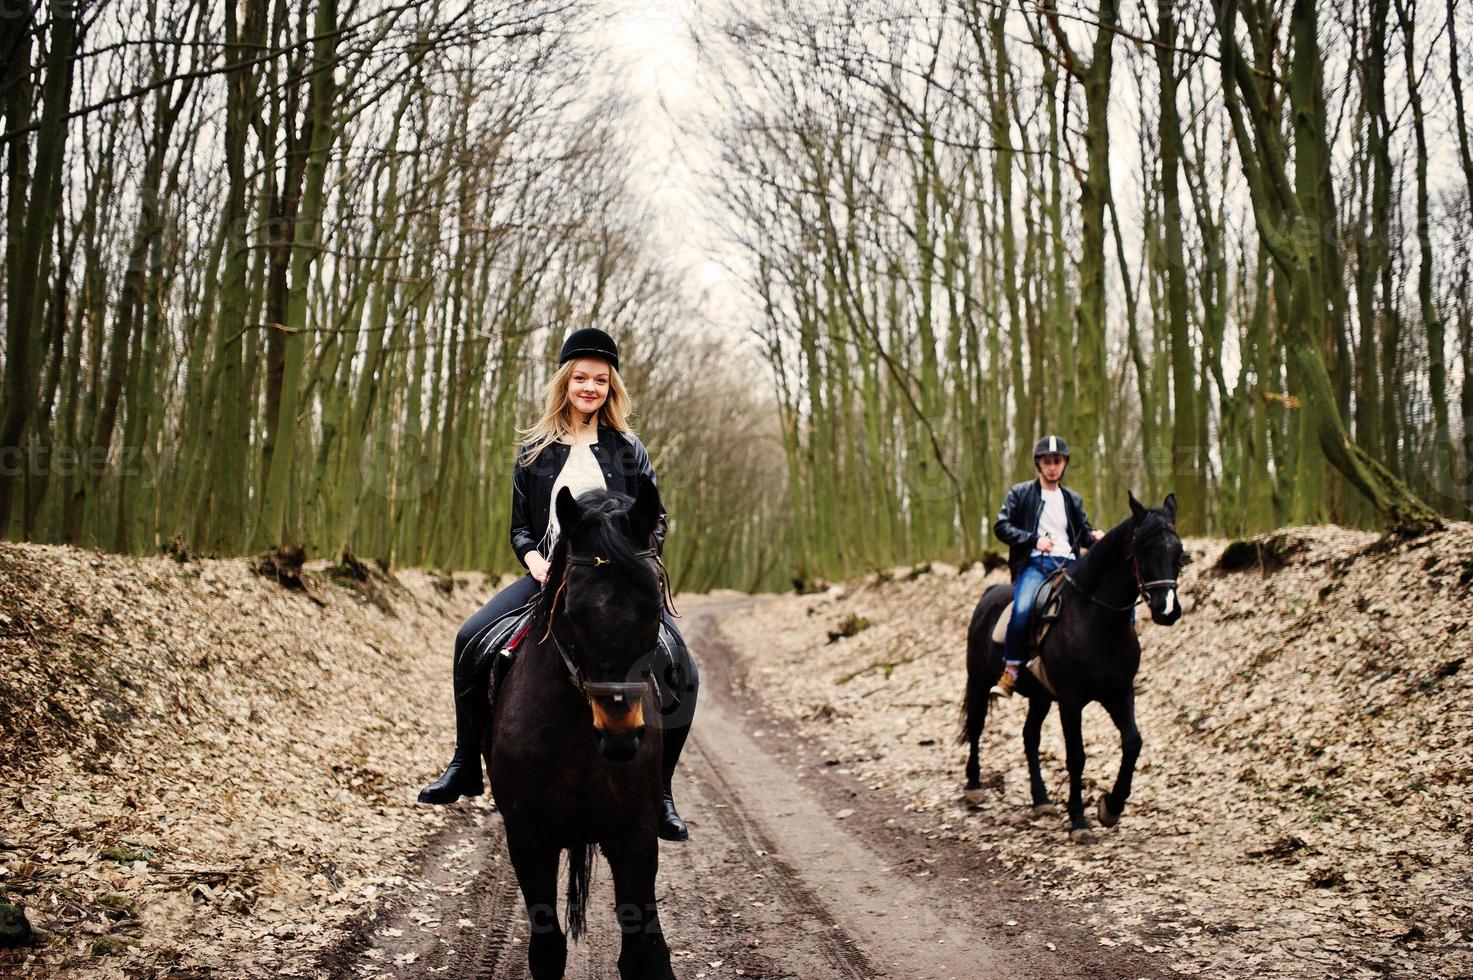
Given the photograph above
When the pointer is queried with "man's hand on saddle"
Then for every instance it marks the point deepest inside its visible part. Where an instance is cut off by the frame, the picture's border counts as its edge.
(538, 566)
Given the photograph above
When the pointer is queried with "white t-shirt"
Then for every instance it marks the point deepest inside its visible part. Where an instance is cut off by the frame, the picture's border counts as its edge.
(1053, 523)
(579, 474)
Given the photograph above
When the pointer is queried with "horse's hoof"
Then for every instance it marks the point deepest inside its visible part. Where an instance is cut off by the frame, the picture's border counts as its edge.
(1082, 835)
(1045, 809)
(1102, 810)
(976, 797)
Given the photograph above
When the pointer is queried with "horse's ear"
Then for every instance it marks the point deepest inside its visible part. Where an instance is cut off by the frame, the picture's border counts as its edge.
(568, 511)
(1170, 508)
(1137, 509)
(644, 514)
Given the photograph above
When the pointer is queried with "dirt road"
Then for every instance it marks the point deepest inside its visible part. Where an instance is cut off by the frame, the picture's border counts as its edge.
(790, 872)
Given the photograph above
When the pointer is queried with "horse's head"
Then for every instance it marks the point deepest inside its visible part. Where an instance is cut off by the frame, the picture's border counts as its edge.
(1156, 554)
(606, 595)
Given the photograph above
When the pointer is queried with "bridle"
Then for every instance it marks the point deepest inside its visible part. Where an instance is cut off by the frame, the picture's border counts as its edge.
(1142, 586)
(617, 690)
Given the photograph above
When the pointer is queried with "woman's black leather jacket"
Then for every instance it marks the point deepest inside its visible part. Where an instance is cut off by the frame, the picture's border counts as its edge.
(623, 458)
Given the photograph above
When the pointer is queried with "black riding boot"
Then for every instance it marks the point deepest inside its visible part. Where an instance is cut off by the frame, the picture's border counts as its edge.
(671, 826)
(463, 776)
(680, 682)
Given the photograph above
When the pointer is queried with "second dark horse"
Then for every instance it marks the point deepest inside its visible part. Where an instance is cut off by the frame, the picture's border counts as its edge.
(574, 765)
(1090, 654)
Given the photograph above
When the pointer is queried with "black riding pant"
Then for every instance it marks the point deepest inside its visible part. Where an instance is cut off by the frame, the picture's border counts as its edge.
(509, 599)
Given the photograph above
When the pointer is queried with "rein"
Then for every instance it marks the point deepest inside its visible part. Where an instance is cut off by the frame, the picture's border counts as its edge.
(1141, 585)
(618, 690)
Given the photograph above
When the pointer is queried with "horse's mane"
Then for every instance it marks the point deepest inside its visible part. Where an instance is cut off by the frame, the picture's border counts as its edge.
(1114, 549)
(599, 533)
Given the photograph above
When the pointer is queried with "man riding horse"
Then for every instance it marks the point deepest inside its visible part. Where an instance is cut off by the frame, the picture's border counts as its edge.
(1046, 529)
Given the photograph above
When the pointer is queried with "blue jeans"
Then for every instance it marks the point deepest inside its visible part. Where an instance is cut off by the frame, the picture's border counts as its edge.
(1025, 590)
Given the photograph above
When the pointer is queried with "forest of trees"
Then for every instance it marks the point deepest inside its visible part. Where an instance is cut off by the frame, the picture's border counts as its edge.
(292, 271)
(1222, 249)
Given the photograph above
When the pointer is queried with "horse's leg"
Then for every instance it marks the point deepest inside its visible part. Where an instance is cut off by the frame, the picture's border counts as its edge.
(643, 955)
(1122, 713)
(1038, 709)
(1072, 720)
(536, 866)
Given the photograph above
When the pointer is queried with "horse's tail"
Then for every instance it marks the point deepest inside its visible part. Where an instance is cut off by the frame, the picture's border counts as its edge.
(580, 873)
(971, 702)
(973, 712)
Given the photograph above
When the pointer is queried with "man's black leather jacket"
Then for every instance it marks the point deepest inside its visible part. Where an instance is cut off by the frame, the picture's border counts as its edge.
(1017, 522)
(623, 458)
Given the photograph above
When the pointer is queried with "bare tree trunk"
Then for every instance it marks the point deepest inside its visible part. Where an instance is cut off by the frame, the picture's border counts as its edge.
(1186, 454)
(315, 146)
(1091, 417)
(1431, 317)
(32, 205)
(1300, 252)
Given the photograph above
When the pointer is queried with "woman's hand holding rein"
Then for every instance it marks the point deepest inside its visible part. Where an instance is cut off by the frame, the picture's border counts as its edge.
(537, 565)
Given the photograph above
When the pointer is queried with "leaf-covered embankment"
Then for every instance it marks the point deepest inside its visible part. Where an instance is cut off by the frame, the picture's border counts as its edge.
(1304, 803)
(202, 769)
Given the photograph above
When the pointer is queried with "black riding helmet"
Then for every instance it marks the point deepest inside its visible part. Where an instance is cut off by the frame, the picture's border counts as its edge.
(1051, 444)
(590, 342)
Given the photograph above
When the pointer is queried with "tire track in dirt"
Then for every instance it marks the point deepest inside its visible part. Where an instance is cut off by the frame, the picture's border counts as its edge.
(464, 878)
(887, 922)
(833, 949)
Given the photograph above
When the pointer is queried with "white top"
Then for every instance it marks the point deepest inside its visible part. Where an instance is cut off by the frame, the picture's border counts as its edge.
(579, 474)
(1053, 523)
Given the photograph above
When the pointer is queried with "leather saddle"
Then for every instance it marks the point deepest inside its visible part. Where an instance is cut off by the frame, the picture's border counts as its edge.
(494, 650)
(1045, 612)
(504, 636)
(498, 648)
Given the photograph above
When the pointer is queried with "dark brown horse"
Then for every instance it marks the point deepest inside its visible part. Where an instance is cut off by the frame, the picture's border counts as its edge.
(573, 764)
(1090, 654)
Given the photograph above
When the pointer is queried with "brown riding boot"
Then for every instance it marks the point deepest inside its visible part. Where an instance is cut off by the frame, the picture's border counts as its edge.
(1004, 686)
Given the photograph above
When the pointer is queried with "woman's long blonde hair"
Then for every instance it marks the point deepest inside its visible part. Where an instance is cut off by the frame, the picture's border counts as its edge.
(557, 415)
